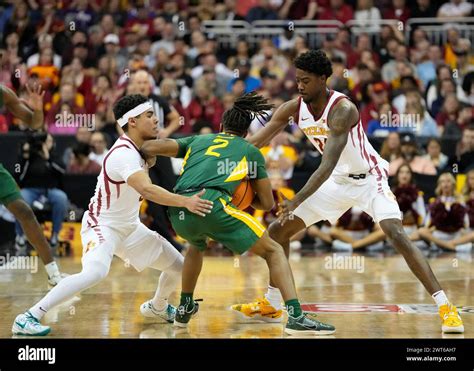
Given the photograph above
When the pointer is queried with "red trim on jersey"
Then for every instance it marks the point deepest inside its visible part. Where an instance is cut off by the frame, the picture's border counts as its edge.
(134, 145)
(98, 232)
(91, 213)
(107, 192)
(99, 201)
(310, 109)
(362, 144)
(118, 190)
(104, 167)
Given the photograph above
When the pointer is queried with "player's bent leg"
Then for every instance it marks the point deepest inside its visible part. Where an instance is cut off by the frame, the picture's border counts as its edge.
(417, 263)
(34, 233)
(25, 216)
(28, 323)
(158, 307)
(188, 307)
(298, 322)
(283, 234)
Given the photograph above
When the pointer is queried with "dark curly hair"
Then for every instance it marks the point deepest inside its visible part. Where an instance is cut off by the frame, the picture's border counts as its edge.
(127, 103)
(246, 108)
(314, 61)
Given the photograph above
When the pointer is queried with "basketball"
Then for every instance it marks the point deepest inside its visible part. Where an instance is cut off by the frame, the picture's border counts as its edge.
(243, 195)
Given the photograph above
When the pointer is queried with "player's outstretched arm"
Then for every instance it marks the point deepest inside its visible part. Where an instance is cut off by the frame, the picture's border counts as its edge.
(264, 198)
(33, 117)
(284, 115)
(160, 147)
(141, 182)
(340, 120)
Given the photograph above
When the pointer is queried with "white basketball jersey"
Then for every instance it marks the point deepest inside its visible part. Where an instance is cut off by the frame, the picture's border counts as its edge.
(358, 156)
(115, 203)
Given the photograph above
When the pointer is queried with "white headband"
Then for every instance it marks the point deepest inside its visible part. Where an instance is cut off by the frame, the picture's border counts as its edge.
(138, 110)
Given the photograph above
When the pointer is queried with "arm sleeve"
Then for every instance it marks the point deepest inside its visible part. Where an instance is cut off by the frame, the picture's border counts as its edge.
(183, 144)
(122, 163)
(257, 168)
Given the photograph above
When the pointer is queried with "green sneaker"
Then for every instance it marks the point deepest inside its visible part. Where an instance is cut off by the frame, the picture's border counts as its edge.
(304, 325)
(184, 314)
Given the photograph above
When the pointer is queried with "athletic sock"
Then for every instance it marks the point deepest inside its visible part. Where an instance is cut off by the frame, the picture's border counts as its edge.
(187, 300)
(294, 308)
(159, 304)
(274, 297)
(52, 269)
(440, 298)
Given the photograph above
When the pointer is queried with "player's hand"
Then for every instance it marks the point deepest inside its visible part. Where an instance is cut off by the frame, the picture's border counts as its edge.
(35, 97)
(285, 210)
(199, 206)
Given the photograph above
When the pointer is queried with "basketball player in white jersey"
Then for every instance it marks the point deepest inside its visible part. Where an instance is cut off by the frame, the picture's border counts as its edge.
(351, 174)
(111, 226)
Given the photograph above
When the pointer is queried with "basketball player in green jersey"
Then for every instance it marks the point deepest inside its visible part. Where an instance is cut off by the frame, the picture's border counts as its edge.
(218, 163)
(10, 195)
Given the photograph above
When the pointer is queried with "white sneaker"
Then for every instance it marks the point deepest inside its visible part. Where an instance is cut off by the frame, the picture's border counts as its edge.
(26, 324)
(464, 247)
(148, 310)
(341, 246)
(55, 278)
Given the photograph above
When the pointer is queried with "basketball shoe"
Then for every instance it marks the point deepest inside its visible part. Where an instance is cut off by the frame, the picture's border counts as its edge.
(452, 322)
(260, 310)
(26, 324)
(184, 313)
(148, 310)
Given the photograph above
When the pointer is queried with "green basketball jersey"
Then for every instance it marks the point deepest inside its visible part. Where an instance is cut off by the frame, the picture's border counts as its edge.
(218, 161)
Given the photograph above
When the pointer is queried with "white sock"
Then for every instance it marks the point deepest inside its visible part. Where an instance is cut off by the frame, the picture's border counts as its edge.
(159, 304)
(91, 274)
(274, 297)
(440, 298)
(52, 269)
(167, 283)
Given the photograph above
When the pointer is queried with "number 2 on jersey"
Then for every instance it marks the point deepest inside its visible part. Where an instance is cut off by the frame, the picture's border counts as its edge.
(211, 150)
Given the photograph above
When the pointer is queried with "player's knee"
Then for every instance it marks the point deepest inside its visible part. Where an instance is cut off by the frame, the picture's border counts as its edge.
(393, 230)
(95, 273)
(277, 233)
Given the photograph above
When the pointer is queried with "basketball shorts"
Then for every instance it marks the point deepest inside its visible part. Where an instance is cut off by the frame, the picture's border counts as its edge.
(234, 228)
(338, 194)
(9, 190)
(139, 247)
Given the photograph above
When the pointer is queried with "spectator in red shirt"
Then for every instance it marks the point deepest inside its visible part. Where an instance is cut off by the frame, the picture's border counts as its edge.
(379, 95)
(205, 106)
(337, 11)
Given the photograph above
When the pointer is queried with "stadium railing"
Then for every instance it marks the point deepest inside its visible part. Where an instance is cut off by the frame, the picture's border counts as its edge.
(436, 28)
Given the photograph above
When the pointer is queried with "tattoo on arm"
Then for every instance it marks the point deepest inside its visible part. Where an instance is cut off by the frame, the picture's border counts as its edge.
(340, 120)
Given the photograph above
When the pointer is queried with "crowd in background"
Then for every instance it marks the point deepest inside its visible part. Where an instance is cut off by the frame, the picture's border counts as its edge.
(87, 54)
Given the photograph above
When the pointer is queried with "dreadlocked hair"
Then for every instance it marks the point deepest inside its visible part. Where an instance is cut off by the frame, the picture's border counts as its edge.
(245, 109)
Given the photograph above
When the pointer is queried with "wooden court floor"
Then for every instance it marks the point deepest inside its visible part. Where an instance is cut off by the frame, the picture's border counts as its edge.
(378, 299)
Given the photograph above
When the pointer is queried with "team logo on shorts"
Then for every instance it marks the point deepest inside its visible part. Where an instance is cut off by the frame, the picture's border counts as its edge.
(90, 245)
